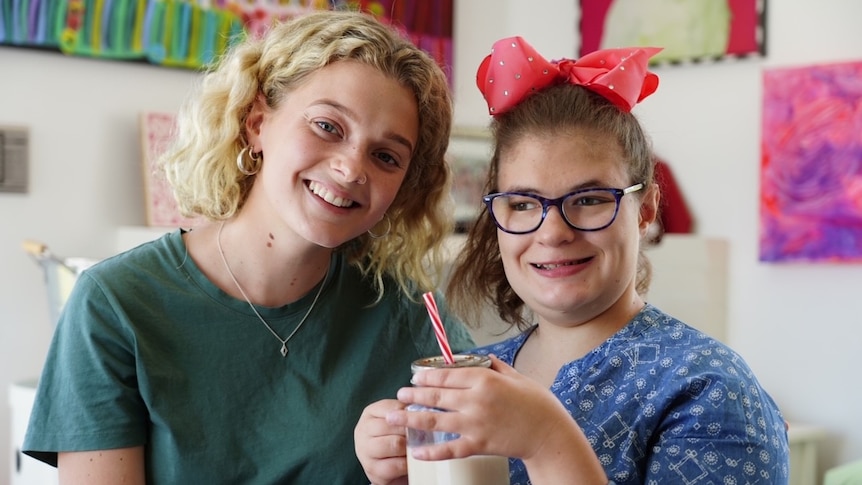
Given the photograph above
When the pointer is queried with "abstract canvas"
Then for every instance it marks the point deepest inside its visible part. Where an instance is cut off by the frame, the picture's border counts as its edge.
(687, 30)
(811, 164)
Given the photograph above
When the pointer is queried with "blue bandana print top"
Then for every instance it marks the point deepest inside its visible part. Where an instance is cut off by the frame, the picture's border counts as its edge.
(663, 403)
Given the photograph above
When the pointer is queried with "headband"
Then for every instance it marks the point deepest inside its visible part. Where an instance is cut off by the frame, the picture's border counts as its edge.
(514, 70)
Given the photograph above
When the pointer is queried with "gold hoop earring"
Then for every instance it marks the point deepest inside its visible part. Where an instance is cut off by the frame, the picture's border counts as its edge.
(256, 161)
(388, 228)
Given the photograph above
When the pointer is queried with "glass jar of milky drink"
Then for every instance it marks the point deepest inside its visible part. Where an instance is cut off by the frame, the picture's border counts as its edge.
(473, 470)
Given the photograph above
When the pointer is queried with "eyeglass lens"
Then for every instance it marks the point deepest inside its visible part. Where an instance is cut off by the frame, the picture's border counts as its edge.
(586, 210)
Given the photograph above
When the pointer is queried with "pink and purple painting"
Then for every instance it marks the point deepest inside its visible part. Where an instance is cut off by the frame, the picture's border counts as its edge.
(811, 164)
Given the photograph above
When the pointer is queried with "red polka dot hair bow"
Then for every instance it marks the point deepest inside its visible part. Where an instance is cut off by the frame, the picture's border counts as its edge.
(514, 70)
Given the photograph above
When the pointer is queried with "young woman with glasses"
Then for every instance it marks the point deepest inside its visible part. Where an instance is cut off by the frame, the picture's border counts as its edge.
(601, 385)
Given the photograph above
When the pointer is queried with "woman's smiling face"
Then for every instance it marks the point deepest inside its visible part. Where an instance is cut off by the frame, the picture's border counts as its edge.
(566, 276)
(335, 152)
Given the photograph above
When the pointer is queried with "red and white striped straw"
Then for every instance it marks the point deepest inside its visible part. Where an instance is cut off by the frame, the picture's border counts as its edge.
(439, 331)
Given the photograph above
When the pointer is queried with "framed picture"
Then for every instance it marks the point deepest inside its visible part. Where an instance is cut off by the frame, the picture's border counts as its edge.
(161, 208)
(688, 31)
(469, 155)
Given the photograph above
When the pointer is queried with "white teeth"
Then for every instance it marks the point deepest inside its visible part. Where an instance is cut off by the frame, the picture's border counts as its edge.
(328, 196)
(551, 266)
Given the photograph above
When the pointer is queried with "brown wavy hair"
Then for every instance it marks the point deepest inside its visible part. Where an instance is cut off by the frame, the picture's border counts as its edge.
(478, 278)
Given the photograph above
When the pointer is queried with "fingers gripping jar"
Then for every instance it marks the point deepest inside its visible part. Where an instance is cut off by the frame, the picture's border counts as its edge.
(473, 470)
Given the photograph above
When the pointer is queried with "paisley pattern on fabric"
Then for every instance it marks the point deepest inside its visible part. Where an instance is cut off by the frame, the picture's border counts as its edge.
(663, 403)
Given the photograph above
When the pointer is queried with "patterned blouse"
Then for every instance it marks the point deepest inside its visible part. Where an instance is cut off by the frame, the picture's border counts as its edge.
(663, 403)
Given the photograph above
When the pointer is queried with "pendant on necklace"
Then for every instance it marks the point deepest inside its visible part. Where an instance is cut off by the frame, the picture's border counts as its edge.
(284, 349)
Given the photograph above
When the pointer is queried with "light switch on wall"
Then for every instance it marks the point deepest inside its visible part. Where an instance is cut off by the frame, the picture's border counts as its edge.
(14, 156)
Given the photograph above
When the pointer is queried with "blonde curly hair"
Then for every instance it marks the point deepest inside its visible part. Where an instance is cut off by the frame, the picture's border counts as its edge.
(200, 164)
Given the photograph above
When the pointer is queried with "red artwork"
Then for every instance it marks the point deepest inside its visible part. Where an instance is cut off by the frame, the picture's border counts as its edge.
(691, 30)
(674, 214)
(427, 23)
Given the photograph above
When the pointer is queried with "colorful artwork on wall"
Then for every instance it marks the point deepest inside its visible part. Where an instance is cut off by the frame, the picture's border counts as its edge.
(811, 164)
(193, 33)
(687, 30)
(427, 23)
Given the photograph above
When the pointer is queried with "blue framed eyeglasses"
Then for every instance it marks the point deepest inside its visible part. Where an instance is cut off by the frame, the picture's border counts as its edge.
(584, 209)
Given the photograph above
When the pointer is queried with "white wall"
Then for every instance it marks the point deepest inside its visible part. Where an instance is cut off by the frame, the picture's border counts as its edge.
(797, 325)
(85, 180)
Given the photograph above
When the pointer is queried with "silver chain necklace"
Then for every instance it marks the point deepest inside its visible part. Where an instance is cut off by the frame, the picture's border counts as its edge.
(251, 305)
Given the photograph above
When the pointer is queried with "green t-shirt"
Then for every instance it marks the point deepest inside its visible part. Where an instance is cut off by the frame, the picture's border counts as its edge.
(149, 352)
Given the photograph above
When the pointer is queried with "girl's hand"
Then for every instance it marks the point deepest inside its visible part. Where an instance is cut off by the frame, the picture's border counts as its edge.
(381, 447)
(498, 411)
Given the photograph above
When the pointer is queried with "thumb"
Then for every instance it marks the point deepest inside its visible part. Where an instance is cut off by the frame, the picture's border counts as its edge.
(500, 366)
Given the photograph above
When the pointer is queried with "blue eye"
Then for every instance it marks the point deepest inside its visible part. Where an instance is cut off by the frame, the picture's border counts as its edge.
(327, 126)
